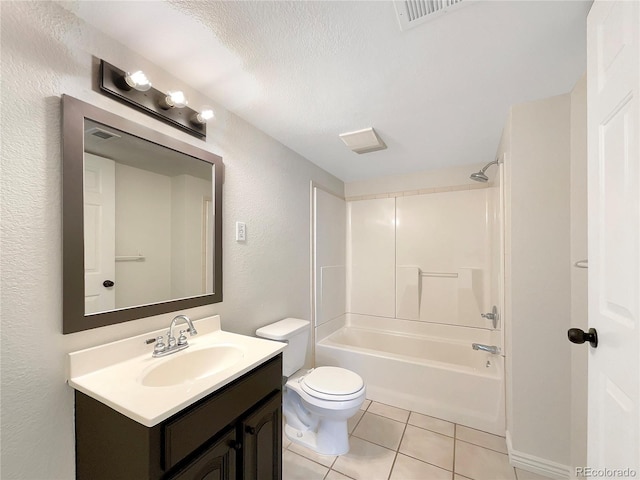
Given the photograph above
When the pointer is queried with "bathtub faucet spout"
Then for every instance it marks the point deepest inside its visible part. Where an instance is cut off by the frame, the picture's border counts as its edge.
(486, 348)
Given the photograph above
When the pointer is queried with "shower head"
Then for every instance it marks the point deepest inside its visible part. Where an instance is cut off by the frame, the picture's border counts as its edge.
(480, 176)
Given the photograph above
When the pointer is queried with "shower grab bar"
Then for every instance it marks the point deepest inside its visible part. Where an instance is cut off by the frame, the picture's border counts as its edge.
(130, 258)
(581, 264)
(439, 274)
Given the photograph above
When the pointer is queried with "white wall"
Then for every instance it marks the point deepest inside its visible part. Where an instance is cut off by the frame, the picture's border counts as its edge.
(143, 226)
(188, 241)
(538, 281)
(579, 310)
(46, 51)
(503, 150)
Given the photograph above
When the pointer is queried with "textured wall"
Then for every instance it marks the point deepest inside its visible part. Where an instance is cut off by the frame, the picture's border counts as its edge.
(579, 290)
(46, 52)
(538, 284)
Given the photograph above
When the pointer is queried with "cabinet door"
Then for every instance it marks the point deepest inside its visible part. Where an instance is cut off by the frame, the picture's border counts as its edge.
(216, 463)
(262, 441)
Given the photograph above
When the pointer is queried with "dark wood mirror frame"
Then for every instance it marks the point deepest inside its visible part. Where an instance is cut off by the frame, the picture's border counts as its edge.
(74, 113)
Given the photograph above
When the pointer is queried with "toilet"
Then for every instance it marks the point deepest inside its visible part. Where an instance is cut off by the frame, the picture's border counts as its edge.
(316, 403)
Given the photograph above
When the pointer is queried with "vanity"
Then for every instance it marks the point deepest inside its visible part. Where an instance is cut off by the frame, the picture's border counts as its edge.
(211, 411)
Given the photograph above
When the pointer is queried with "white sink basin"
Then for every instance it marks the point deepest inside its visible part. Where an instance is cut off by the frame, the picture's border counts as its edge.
(188, 366)
(126, 377)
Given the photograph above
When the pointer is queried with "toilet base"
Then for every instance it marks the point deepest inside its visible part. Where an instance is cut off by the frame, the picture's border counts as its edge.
(331, 438)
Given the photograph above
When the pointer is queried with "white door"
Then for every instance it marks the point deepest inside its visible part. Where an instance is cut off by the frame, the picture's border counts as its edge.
(99, 233)
(614, 236)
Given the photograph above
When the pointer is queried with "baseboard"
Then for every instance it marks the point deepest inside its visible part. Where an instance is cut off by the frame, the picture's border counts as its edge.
(534, 464)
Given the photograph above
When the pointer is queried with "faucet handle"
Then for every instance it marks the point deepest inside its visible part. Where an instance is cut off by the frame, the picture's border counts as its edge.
(182, 339)
(159, 346)
(171, 341)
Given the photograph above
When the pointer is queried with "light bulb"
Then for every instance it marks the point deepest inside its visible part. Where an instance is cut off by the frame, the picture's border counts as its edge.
(177, 99)
(204, 115)
(137, 80)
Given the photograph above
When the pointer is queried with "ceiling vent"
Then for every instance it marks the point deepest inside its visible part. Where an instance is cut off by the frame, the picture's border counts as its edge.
(363, 141)
(101, 133)
(412, 13)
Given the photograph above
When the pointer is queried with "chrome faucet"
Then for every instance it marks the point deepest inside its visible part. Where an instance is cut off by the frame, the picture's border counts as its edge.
(486, 348)
(172, 346)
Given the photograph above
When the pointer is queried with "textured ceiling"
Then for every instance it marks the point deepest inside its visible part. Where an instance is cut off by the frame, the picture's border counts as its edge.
(306, 71)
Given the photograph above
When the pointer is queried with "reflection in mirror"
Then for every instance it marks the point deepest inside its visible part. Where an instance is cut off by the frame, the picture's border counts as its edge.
(148, 214)
(142, 221)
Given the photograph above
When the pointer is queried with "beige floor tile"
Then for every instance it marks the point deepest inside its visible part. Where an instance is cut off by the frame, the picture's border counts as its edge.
(353, 421)
(459, 477)
(481, 463)
(524, 475)
(388, 411)
(365, 461)
(483, 439)
(295, 467)
(432, 423)
(428, 446)
(382, 431)
(326, 460)
(365, 404)
(333, 475)
(407, 468)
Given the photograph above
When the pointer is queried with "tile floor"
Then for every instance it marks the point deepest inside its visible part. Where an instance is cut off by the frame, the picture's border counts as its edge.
(389, 443)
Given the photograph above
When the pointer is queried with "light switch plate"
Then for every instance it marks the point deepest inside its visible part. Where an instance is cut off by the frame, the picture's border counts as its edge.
(241, 232)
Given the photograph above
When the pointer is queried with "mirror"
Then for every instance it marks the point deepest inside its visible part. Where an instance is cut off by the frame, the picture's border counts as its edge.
(142, 223)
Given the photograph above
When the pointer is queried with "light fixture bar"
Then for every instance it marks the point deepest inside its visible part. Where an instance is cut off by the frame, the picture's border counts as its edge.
(110, 81)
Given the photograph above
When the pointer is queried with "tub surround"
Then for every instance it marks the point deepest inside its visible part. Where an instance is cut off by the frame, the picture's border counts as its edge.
(422, 265)
(113, 373)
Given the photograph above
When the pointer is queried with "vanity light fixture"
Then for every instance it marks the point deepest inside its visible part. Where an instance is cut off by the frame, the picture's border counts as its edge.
(135, 90)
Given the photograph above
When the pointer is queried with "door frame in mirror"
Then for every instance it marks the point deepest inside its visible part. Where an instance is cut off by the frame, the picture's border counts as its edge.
(74, 113)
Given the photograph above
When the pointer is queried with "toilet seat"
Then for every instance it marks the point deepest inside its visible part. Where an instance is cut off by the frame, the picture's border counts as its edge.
(332, 383)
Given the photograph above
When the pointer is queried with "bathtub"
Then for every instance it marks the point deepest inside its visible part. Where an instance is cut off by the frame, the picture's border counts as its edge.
(435, 376)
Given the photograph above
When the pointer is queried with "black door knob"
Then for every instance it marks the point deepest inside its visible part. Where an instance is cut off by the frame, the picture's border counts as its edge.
(577, 335)
(108, 283)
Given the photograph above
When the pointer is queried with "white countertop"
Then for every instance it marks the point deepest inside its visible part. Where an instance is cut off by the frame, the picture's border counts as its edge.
(111, 373)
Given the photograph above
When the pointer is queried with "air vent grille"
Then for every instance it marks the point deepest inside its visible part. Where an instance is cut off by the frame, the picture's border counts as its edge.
(103, 134)
(415, 12)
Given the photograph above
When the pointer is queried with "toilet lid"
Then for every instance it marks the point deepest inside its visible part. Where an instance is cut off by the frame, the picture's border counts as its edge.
(332, 383)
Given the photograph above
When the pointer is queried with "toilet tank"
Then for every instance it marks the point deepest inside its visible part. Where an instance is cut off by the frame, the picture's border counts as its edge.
(293, 331)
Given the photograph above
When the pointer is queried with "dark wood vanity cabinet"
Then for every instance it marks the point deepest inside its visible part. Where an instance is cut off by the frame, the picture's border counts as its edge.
(262, 441)
(234, 433)
(217, 462)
